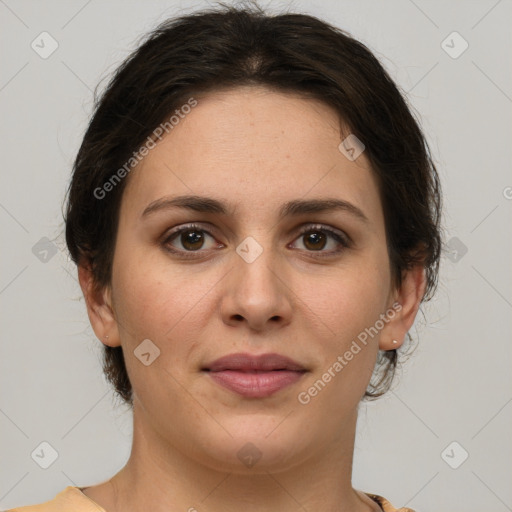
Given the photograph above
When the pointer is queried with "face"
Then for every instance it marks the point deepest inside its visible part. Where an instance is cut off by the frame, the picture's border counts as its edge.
(249, 275)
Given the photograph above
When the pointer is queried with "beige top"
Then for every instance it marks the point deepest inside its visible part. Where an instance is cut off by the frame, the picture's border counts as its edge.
(73, 499)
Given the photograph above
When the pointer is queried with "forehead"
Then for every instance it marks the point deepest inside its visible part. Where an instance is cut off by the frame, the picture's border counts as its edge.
(255, 148)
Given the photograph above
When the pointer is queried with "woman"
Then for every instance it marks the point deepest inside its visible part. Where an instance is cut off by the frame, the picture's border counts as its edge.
(254, 215)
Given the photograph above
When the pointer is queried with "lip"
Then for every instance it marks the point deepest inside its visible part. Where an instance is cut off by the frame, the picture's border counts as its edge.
(255, 376)
(248, 362)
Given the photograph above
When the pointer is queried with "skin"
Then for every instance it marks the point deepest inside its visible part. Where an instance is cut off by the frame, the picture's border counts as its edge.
(254, 149)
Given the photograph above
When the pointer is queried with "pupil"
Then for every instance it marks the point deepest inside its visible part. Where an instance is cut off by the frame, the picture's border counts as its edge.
(314, 238)
(191, 239)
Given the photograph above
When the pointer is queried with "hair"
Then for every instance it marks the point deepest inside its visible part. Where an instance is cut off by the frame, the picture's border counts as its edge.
(227, 47)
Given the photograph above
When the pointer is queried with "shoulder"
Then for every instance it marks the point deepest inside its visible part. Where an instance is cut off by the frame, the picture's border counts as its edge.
(385, 505)
(71, 498)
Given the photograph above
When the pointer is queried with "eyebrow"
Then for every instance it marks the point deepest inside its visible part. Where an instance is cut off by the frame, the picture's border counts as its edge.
(289, 209)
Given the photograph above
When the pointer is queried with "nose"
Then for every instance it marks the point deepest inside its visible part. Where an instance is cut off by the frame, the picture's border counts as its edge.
(256, 294)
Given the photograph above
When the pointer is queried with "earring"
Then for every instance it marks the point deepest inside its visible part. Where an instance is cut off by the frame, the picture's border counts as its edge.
(106, 337)
(394, 341)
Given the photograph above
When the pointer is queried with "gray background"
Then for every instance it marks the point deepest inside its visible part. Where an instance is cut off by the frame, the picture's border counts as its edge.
(455, 387)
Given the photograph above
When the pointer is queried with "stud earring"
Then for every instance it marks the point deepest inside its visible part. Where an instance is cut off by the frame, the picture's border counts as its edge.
(394, 341)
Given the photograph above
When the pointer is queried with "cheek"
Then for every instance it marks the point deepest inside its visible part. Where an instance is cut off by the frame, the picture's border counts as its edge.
(167, 304)
(350, 301)
(349, 305)
(171, 309)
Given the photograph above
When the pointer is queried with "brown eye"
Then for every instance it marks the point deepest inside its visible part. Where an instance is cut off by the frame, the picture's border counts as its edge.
(315, 240)
(191, 240)
(188, 239)
(322, 240)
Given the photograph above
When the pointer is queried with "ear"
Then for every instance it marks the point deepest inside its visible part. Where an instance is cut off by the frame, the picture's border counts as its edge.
(405, 302)
(99, 308)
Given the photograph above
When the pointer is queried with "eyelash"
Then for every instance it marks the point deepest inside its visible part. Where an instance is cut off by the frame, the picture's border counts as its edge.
(342, 239)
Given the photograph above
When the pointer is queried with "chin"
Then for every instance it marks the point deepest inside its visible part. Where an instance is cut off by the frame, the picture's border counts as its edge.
(259, 444)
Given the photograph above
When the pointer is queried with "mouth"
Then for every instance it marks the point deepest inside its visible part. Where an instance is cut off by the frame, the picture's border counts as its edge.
(255, 376)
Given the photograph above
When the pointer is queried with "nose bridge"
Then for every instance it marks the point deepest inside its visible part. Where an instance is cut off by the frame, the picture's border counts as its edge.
(256, 291)
(255, 266)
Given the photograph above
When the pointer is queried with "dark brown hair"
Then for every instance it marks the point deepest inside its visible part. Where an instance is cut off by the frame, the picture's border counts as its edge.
(235, 46)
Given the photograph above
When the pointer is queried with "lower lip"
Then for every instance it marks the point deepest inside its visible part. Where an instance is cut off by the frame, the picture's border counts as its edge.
(255, 385)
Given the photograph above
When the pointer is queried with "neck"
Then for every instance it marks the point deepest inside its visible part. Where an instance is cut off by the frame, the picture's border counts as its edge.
(160, 477)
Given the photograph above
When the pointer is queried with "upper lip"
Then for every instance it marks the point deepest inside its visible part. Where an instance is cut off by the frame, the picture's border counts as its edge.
(248, 362)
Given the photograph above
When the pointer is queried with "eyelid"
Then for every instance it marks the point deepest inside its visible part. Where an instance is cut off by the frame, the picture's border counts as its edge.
(341, 237)
(311, 226)
(185, 227)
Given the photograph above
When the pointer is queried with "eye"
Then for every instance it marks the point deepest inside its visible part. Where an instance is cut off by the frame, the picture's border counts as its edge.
(189, 238)
(192, 238)
(317, 237)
